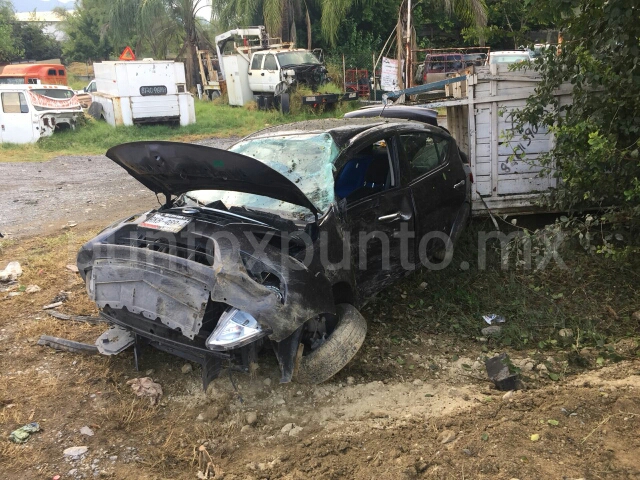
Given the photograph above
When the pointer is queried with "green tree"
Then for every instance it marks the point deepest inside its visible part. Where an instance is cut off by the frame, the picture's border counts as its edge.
(598, 136)
(34, 43)
(86, 38)
(330, 15)
(9, 48)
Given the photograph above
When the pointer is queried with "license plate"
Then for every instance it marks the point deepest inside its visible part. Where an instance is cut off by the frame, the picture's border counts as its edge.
(153, 90)
(166, 222)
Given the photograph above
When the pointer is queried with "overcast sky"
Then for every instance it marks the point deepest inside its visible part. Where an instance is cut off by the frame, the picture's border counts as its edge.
(48, 5)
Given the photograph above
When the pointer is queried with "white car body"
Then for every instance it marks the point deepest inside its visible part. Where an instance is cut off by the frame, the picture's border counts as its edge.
(30, 112)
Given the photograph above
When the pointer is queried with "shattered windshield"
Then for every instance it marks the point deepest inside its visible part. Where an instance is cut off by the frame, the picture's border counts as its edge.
(306, 160)
(297, 58)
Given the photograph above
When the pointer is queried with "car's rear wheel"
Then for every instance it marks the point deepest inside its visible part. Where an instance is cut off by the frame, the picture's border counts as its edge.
(336, 350)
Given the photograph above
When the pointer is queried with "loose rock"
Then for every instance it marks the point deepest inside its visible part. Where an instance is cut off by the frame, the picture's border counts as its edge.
(75, 452)
(11, 272)
(86, 431)
(447, 436)
(187, 368)
(287, 428)
(295, 431)
(32, 289)
(252, 417)
(508, 395)
(417, 382)
(351, 380)
(492, 331)
(267, 382)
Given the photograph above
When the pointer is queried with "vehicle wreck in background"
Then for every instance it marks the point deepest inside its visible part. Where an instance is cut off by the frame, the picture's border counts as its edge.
(31, 112)
(259, 244)
(254, 66)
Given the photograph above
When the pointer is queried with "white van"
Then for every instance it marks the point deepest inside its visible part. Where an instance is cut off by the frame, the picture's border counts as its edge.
(30, 112)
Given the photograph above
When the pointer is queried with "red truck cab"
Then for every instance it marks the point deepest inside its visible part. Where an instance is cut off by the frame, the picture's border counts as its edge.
(33, 73)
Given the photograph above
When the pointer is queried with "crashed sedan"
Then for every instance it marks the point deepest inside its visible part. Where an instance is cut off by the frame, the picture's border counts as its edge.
(276, 242)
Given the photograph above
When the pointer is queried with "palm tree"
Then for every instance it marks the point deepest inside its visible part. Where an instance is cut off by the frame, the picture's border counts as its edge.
(158, 22)
(280, 15)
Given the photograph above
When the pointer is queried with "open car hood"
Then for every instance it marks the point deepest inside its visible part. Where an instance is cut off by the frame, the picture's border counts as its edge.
(174, 168)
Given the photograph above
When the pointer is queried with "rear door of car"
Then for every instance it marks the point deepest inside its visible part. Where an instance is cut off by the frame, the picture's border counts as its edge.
(431, 166)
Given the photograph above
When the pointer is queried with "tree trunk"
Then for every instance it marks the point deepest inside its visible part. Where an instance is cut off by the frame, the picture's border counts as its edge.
(308, 31)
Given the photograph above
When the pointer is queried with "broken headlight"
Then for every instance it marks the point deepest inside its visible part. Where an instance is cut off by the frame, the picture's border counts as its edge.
(235, 329)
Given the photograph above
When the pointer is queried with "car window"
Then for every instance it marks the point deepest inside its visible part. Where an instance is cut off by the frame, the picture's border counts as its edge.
(256, 63)
(270, 63)
(52, 72)
(368, 171)
(423, 152)
(61, 73)
(14, 102)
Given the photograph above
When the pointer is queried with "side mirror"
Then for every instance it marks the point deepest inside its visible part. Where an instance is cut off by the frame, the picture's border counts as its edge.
(85, 89)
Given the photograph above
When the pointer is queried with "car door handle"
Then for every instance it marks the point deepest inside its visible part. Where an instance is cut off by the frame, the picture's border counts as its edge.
(249, 73)
(262, 74)
(460, 184)
(393, 217)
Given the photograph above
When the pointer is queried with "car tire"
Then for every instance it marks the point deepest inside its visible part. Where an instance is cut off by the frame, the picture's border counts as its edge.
(338, 350)
(284, 103)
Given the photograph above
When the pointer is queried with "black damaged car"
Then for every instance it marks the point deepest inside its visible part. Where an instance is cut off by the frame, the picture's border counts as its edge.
(276, 242)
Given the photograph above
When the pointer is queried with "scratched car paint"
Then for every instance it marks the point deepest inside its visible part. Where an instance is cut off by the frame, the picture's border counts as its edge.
(258, 245)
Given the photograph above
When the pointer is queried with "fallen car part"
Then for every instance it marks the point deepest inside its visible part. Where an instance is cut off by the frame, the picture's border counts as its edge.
(67, 345)
(114, 341)
(337, 349)
(499, 373)
(76, 318)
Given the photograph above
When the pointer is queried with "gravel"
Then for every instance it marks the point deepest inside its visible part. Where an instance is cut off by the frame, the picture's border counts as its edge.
(43, 197)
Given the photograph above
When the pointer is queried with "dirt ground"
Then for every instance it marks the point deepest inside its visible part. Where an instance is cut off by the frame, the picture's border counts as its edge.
(416, 405)
(404, 408)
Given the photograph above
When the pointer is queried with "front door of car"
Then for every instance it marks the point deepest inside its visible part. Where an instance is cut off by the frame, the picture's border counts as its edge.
(270, 73)
(431, 167)
(256, 76)
(379, 214)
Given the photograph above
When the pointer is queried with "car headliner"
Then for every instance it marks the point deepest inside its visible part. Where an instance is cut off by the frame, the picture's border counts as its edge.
(341, 129)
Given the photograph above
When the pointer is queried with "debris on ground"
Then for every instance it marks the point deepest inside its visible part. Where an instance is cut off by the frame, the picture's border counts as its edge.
(23, 433)
(86, 431)
(206, 468)
(146, 387)
(115, 340)
(75, 453)
(11, 272)
(72, 268)
(493, 318)
(32, 289)
(52, 305)
(62, 296)
(499, 373)
(187, 368)
(76, 318)
(67, 345)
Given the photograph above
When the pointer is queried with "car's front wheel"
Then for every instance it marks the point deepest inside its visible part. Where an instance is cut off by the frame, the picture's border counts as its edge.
(336, 348)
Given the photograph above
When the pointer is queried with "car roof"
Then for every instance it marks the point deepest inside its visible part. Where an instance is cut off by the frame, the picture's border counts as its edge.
(341, 129)
(406, 112)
